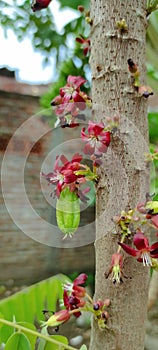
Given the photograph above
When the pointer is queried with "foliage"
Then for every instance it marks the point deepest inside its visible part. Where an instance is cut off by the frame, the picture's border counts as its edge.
(27, 305)
(40, 26)
(20, 328)
(152, 51)
(23, 310)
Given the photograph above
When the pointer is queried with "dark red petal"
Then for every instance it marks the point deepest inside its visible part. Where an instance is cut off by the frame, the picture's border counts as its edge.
(154, 246)
(154, 250)
(73, 299)
(77, 157)
(80, 279)
(38, 5)
(59, 189)
(140, 241)
(77, 314)
(62, 315)
(69, 178)
(66, 298)
(106, 137)
(79, 291)
(85, 51)
(77, 98)
(154, 254)
(80, 40)
(73, 125)
(62, 91)
(154, 220)
(129, 250)
(95, 128)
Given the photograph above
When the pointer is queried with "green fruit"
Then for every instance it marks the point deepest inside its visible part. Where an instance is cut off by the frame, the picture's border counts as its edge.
(68, 212)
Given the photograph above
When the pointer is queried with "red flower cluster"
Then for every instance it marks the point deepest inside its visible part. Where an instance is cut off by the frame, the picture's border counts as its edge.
(67, 175)
(70, 102)
(76, 300)
(144, 252)
(97, 140)
(74, 294)
(85, 44)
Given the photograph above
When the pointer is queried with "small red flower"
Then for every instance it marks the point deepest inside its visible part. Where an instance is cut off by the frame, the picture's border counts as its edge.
(85, 44)
(57, 319)
(116, 268)
(70, 102)
(71, 91)
(97, 139)
(38, 5)
(144, 252)
(64, 175)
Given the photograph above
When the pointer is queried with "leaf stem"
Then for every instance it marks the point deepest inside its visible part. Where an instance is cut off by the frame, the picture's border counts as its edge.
(37, 334)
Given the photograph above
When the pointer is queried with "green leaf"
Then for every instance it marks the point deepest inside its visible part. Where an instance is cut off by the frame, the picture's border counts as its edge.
(27, 305)
(83, 347)
(74, 4)
(32, 338)
(51, 346)
(18, 341)
(153, 126)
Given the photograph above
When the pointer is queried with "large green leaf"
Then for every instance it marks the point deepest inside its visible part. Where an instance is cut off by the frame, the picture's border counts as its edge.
(27, 305)
(18, 341)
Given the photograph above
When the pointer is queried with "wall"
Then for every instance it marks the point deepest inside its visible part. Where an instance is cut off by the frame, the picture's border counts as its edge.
(23, 259)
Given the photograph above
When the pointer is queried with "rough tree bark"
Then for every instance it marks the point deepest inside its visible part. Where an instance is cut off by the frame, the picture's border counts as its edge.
(124, 177)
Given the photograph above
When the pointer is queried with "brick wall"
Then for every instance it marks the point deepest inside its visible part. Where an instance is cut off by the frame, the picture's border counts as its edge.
(21, 258)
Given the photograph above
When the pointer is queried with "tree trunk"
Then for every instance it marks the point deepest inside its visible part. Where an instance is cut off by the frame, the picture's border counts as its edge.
(124, 176)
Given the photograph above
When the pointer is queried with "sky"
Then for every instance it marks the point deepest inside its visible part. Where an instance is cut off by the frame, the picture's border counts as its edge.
(21, 57)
